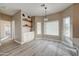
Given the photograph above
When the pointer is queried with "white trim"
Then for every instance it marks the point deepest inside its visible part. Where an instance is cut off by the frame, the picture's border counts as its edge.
(75, 38)
(76, 41)
(0, 44)
(39, 38)
(18, 42)
(4, 38)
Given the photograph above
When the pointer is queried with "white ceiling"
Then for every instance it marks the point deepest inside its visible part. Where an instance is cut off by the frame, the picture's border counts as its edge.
(32, 9)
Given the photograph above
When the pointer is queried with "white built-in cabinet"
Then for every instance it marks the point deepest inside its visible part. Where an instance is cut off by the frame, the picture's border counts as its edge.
(23, 28)
(27, 33)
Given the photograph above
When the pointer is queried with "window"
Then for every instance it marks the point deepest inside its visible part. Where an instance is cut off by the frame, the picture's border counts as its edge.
(67, 24)
(38, 27)
(51, 28)
(5, 29)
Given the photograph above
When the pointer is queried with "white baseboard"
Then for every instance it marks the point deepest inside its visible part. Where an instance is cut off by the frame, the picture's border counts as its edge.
(76, 41)
(75, 38)
(18, 42)
(0, 44)
(5, 38)
(21, 42)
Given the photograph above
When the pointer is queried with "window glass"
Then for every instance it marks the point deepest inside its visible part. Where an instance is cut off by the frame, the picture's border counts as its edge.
(51, 28)
(38, 27)
(66, 22)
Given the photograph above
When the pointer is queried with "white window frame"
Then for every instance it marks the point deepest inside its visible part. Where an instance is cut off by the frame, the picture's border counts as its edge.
(52, 22)
(39, 26)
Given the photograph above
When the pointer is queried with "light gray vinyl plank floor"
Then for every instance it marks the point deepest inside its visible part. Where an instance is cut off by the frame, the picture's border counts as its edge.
(35, 48)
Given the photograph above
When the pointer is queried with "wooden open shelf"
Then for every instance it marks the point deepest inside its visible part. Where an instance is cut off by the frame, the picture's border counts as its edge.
(27, 21)
(26, 25)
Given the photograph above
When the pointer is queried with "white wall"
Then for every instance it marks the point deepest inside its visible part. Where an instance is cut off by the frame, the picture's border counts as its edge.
(21, 34)
(18, 33)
